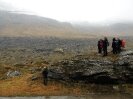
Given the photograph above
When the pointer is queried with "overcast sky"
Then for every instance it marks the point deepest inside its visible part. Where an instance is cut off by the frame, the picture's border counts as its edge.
(74, 10)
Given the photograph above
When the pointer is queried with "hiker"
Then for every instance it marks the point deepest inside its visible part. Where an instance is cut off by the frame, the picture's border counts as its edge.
(45, 75)
(105, 45)
(114, 46)
(100, 46)
(119, 45)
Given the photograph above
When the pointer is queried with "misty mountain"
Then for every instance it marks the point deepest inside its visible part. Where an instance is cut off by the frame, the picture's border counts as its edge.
(114, 29)
(13, 24)
(21, 25)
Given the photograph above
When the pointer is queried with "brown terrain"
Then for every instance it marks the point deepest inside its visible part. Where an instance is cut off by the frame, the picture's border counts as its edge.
(27, 41)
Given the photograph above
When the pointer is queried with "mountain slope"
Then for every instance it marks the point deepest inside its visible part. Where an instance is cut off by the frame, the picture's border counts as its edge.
(13, 24)
(21, 25)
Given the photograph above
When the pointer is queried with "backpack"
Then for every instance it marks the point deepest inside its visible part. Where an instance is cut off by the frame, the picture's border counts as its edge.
(123, 43)
(101, 44)
(116, 43)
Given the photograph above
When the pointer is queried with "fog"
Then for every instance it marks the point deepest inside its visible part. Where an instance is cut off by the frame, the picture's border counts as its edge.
(92, 11)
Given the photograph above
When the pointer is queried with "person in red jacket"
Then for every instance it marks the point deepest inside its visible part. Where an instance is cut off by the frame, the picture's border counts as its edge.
(100, 46)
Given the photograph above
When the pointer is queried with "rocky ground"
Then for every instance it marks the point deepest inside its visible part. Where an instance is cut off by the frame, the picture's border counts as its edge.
(75, 68)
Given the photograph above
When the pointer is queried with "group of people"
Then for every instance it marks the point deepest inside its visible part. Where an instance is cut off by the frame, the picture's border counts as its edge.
(117, 44)
(103, 44)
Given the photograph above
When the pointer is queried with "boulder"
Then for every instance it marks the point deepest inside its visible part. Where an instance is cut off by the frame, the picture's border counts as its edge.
(79, 70)
(13, 73)
(87, 70)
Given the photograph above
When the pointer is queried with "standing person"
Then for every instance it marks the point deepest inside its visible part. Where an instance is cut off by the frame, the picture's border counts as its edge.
(105, 45)
(45, 75)
(114, 46)
(119, 45)
(100, 46)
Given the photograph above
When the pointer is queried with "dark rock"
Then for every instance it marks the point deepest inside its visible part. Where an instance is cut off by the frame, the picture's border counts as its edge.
(79, 70)
(103, 71)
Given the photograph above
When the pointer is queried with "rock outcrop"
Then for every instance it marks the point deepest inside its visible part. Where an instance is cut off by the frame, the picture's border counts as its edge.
(86, 70)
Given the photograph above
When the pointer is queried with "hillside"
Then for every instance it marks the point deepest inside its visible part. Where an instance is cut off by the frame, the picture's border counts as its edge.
(13, 24)
(22, 25)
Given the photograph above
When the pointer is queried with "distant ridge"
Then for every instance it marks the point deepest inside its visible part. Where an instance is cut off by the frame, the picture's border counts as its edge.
(13, 24)
(22, 25)
(115, 29)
